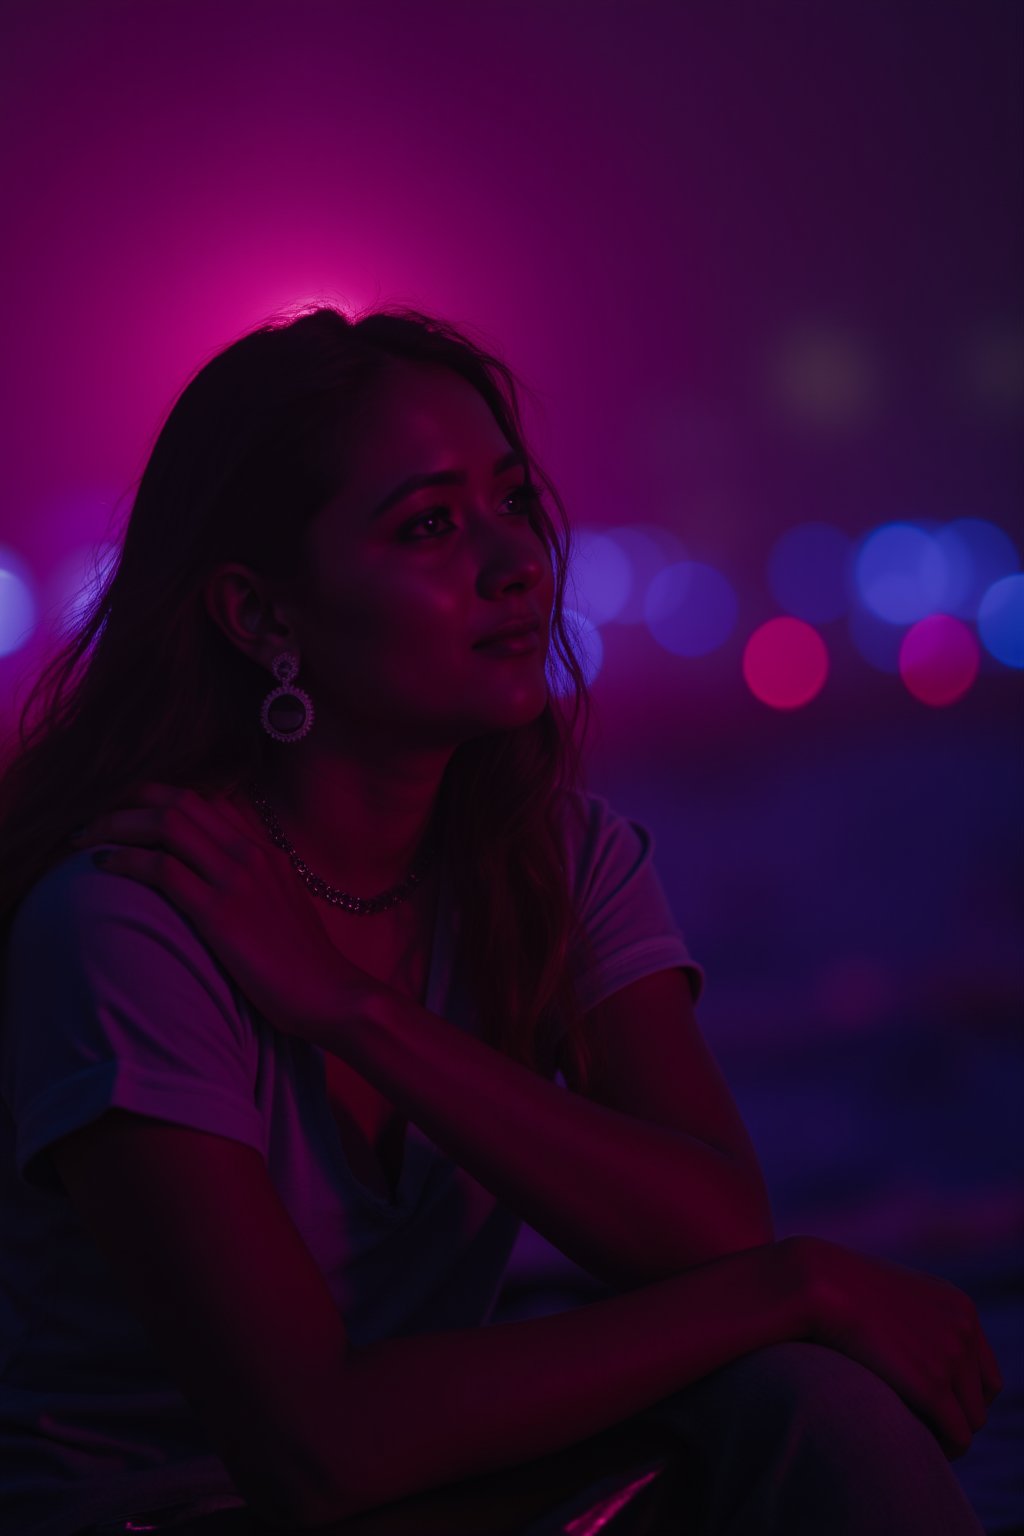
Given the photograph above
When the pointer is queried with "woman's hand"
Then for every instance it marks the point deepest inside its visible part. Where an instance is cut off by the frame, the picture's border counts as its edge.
(243, 900)
(919, 1333)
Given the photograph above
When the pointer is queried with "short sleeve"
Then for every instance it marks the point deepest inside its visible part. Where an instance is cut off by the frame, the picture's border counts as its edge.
(111, 1000)
(621, 906)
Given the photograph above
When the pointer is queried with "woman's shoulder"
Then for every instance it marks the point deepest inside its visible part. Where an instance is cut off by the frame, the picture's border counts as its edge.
(75, 907)
(83, 935)
(590, 823)
(68, 886)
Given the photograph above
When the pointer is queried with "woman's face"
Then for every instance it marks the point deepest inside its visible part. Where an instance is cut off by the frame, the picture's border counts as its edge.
(395, 599)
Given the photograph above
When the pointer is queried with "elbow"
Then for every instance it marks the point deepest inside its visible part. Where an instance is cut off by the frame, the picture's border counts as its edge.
(753, 1236)
(755, 1220)
(693, 1251)
(731, 1220)
(741, 1222)
(734, 1213)
(739, 1238)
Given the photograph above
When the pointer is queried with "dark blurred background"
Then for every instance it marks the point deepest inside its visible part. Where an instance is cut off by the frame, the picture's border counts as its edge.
(759, 265)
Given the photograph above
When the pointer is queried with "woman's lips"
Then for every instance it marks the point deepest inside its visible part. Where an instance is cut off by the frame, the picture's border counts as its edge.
(511, 645)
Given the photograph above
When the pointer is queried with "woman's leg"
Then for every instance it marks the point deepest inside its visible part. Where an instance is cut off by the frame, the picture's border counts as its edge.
(797, 1439)
(511, 1501)
(503, 1503)
(791, 1440)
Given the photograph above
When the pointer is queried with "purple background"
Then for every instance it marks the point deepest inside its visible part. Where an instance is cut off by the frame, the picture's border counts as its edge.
(643, 208)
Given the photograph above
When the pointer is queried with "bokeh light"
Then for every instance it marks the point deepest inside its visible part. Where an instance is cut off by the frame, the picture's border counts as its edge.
(810, 571)
(590, 646)
(1001, 620)
(977, 553)
(939, 659)
(785, 663)
(649, 548)
(690, 608)
(853, 993)
(18, 606)
(74, 585)
(877, 642)
(901, 573)
(601, 574)
(823, 376)
(994, 368)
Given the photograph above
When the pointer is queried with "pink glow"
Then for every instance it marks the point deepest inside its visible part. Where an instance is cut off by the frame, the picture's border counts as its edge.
(939, 660)
(785, 663)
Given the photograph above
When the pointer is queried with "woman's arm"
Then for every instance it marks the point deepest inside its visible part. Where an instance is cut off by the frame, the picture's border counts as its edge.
(629, 1201)
(313, 1429)
(434, 1409)
(626, 1199)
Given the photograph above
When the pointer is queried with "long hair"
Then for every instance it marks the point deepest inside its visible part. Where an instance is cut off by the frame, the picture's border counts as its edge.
(148, 687)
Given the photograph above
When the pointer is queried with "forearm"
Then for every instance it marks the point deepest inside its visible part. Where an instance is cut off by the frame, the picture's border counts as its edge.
(438, 1408)
(629, 1202)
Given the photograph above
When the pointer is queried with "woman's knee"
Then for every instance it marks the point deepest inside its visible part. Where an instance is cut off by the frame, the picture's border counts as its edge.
(798, 1398)
(812, 1376)
(822, 1391)
(831, 1433)
(802, 1433)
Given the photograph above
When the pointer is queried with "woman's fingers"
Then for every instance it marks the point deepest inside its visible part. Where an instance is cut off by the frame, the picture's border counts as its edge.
(164, 872)
(973, 1381)
(241, 899)
(223, 823)
(151, 831)
(970, 1392)
(182, 822)
(991, 1376)
(957, 1440)
(942, 1410)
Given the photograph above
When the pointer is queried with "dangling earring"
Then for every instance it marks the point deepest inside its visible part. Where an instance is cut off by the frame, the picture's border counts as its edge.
(295, 716)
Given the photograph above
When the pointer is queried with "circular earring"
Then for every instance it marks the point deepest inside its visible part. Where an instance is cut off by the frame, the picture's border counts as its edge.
(292, 706)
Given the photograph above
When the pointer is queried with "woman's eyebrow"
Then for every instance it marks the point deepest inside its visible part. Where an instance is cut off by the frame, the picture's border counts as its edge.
(440, 477)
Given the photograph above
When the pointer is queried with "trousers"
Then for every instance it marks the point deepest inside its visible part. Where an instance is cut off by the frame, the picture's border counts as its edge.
(794, 1439)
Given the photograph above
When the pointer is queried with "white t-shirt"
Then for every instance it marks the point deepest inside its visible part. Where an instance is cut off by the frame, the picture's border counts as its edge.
(111, 999)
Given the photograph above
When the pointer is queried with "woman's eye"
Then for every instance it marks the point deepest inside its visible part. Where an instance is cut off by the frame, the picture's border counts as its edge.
(525, 495)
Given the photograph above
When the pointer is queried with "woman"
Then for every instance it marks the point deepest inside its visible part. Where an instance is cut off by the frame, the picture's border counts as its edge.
(268, 1143)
